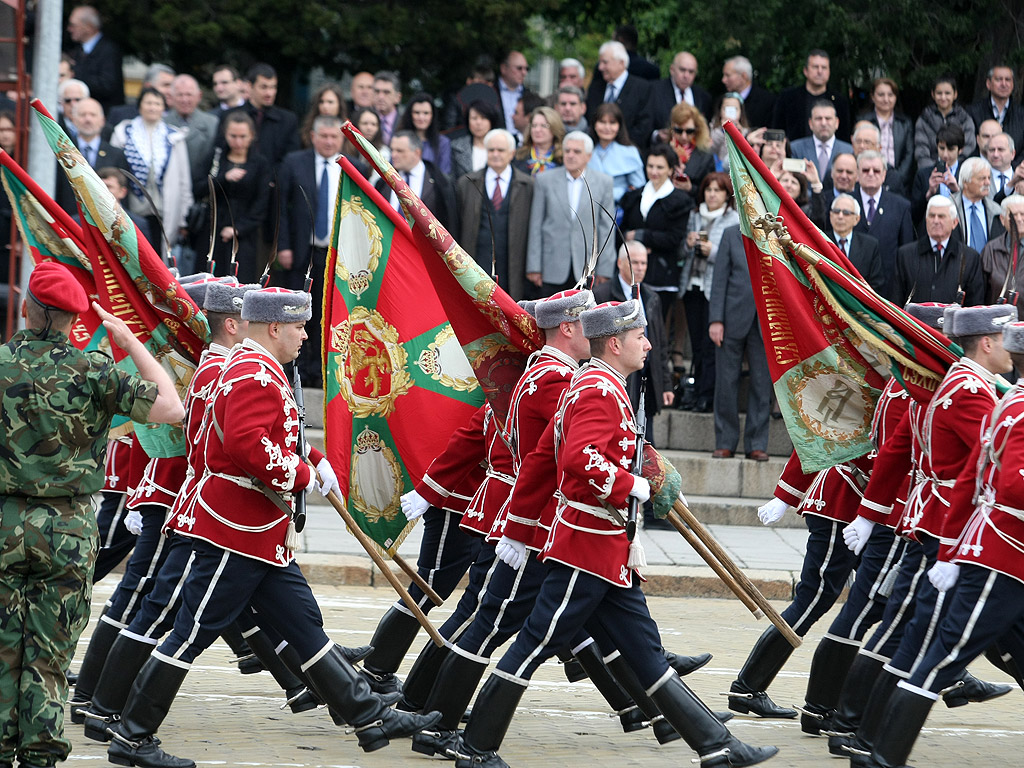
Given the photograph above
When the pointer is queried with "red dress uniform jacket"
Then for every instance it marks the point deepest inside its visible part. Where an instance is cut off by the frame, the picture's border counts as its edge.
(254, 406)
(950, 430)
(990, 531)
(453, 478)
(495, 489)
(160, 483)
(115, 467)
(595, 439)
(532, 409)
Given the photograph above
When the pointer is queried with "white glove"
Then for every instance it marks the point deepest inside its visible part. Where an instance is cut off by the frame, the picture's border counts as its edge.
(414, 505)
(856, 534)
(772, 511)
(311, 484)
(328, 479)
(511, 552)
(641, 489)
(133, 522)
(943, 575)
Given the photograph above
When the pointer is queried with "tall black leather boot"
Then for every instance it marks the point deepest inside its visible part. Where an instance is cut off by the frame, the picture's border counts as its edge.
(348, 693)
(853, 699)
(391, 641)
(293, 685)
(248, 663)
(871, 721)
(492, 715)
(831, 662)
(134, 741)
(102, 639)
(705, 733)
(626, 677)
(747, 693)
(421, 678)
(629, 714)
(127, 655)
(456, 683)
(904, 716)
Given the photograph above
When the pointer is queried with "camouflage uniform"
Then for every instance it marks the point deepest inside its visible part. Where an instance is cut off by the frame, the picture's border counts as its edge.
(56, 404)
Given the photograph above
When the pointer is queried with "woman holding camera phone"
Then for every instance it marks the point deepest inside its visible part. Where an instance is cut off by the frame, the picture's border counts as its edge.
(729, 108)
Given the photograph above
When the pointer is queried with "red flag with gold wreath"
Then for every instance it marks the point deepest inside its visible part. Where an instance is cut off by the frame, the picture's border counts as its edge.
(396, 379)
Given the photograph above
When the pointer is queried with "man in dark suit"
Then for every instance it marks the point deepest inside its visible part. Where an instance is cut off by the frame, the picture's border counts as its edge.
(659, 392)
(859, 248)
(97, 58)
(277, 129)
(867, 137)
(494, 213)
(979, 217)
(511, 74)
(793, 107)
(998, 104)
(823, 145)
(938, 267)
(425, 179)
(999, 153)
(734, 328)
(617, 85)
(316, 172)
(87, 118)
(738, 77)
(678, 86)
(884, 214)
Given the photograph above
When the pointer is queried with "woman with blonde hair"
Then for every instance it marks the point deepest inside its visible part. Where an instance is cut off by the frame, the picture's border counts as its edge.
(690, 138)
(542, 144)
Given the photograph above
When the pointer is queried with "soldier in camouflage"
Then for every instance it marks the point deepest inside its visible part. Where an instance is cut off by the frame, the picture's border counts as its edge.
(57, 403)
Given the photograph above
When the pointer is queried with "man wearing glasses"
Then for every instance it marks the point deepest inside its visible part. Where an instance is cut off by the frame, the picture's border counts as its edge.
(886, 214)
(860, 249)
(510, 88)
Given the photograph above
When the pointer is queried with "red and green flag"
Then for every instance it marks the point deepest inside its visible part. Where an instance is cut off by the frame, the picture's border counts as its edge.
(396, 379)
(133, 283)
(829, 338)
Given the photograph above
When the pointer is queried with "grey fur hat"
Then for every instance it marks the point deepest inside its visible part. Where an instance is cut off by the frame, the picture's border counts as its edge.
(529, 306)
(612, 318)
(929, 313)
(195, 278)
(946, 323)
(196, 286)
(226, 298)
(277, 305)
(1013, 337)
(983, 320)
(564, 307)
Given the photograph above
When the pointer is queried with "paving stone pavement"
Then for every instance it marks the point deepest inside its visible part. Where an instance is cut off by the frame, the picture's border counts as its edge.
(222, 718)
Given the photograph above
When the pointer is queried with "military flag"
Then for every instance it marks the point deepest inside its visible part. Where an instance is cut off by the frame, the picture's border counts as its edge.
(496, 333)
(396, 379)
(133, 283)
(830, 339)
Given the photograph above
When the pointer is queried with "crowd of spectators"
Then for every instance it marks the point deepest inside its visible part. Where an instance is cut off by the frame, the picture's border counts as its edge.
(923, 205)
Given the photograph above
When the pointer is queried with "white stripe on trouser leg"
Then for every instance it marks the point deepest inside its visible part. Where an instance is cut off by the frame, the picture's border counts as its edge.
(154, 563)
(552, 625)
(954, 654)
(198, 618)
(115, 521)
(464, 626)
(821, 575)
(933, 623)
(175, 596)
(317, 656)
(438, 558)
(509, 600)
(880, 578)
(907, 602)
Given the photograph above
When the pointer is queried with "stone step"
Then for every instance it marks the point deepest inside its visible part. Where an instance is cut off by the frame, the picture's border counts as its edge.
(735, 477)
(688, 431)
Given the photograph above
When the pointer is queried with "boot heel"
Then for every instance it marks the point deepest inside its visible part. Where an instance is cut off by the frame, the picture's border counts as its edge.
(373, 737)
(119, 760)
(663, 730)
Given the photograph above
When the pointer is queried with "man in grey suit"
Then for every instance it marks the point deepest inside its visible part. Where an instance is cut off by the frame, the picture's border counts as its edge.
(494, 207)
(823, 145)
(734, 328)
(200, 129)
(979, 216)
(562, 225)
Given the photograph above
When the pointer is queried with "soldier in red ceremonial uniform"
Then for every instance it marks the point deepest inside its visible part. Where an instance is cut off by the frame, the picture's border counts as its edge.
(115, 540)
(242, 543)
(980, 570)
(943, 435)
(591, 581)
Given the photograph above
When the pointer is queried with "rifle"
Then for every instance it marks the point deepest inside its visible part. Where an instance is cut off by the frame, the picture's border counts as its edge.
(638, 459)
(299, 515)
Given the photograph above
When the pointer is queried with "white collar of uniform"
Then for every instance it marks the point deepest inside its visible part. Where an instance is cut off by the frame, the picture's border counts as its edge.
(555, 352)
(978, 369)
(218, 349)
(255, 346)
(601, 365)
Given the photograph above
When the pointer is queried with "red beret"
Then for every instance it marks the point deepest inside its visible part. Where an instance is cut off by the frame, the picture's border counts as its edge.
(54, 287)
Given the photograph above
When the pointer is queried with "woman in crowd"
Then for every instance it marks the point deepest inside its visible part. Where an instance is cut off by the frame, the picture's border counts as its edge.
(656, 215)
(614, 153)
(242, 186)
(942, 110)
(729, 108)
(542, 145)
(158, 158)
(328, 99)
(368, 123)
(716, 212)
(895, 128)
(468, 153)
(690, 139)
(798, 187)
(421, 118)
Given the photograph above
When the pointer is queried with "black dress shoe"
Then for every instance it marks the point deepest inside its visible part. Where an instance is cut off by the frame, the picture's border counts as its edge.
(971, 689)
(684, 665)
(759, 704)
